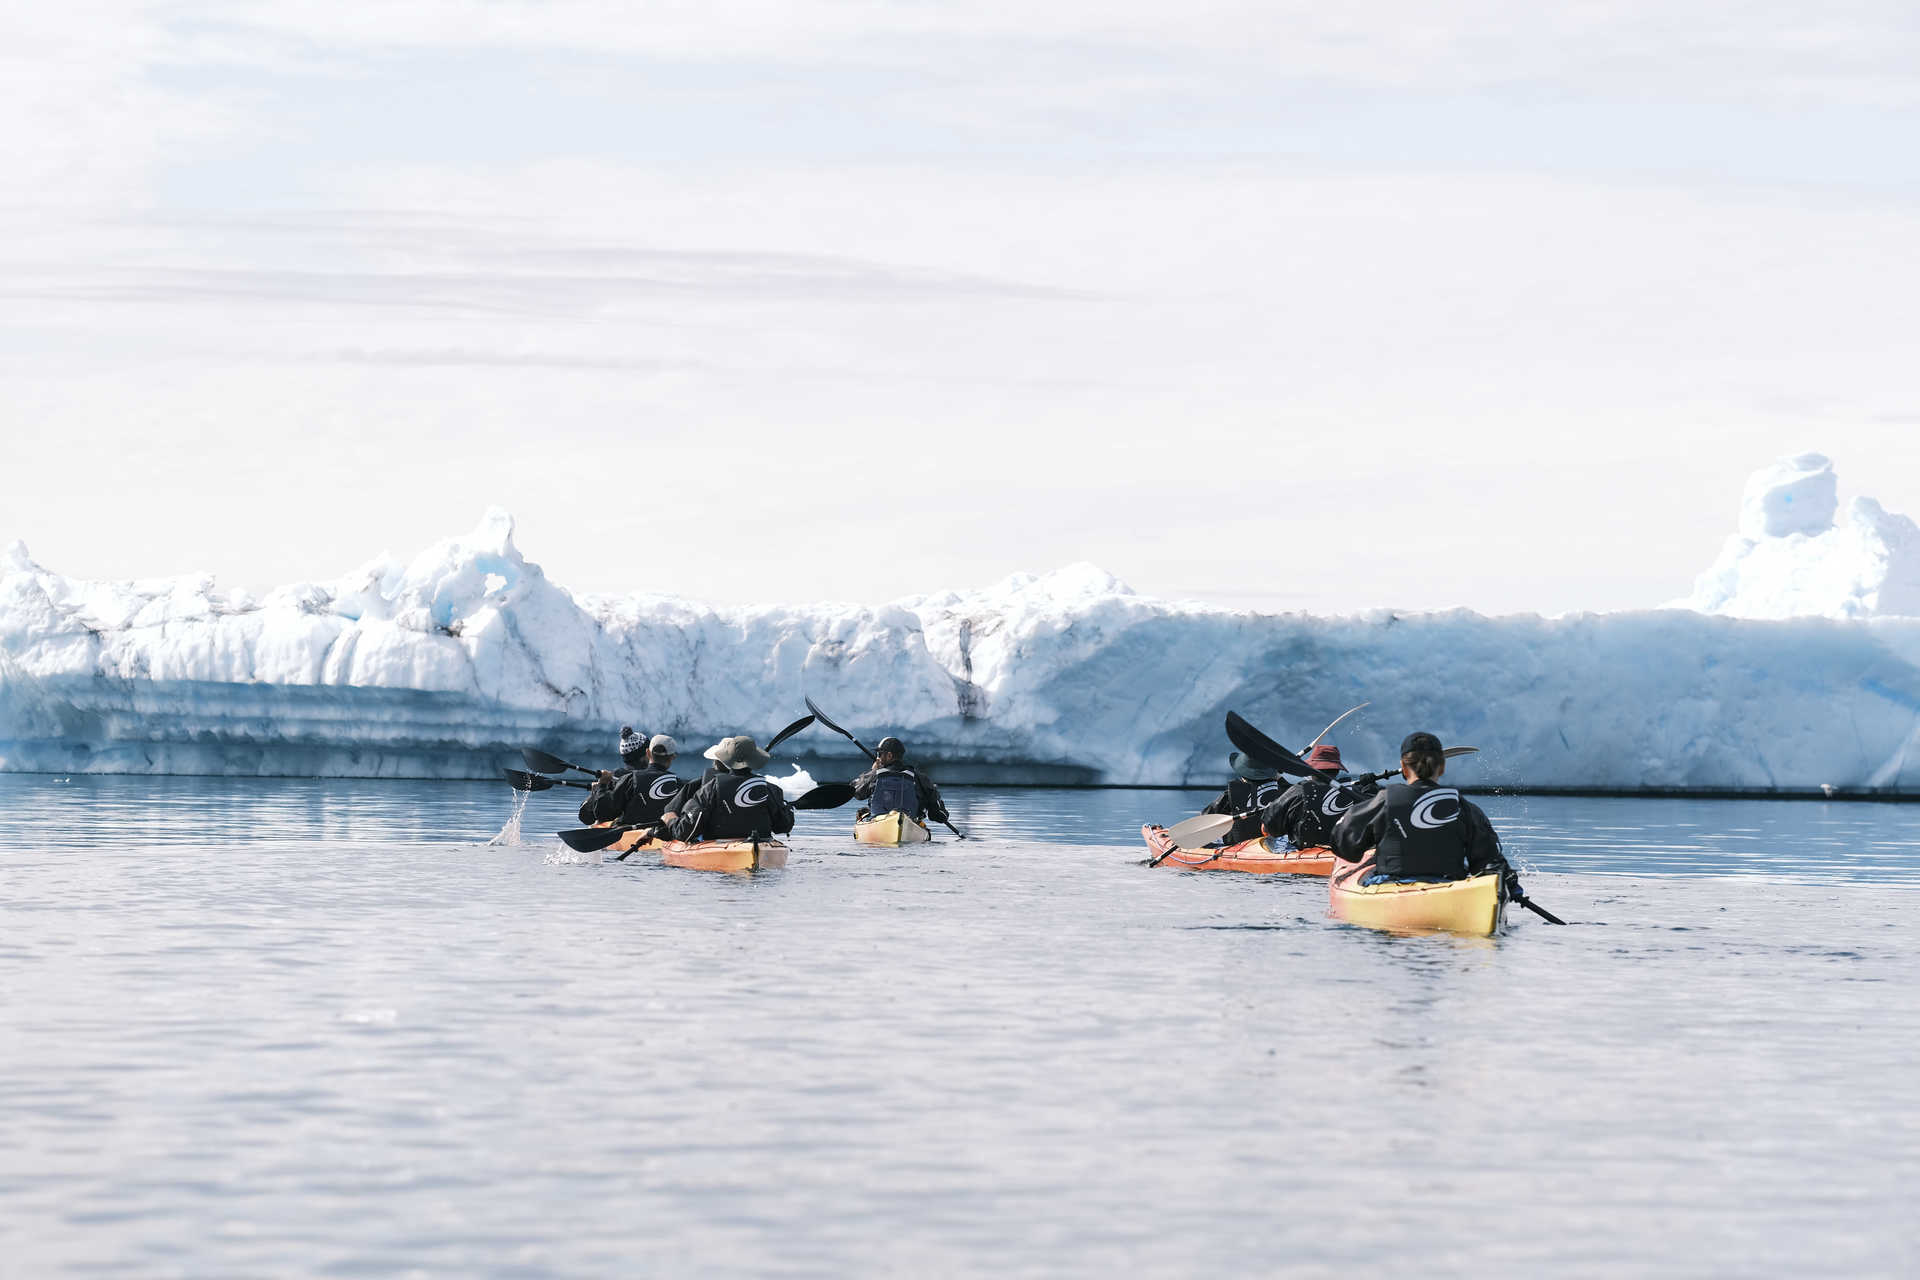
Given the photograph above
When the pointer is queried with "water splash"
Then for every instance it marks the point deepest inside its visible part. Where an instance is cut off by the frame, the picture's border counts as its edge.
(510, 834)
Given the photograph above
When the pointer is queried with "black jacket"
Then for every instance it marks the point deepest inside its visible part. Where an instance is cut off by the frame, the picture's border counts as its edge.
(926, 791)
(636, 796)
(679, 803)
(1242, 796)
(1306, 813)
(1421, 830)
(732, 806)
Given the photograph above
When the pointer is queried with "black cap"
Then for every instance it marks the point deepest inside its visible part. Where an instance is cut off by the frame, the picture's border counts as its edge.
(891, 743)
(1420, 742)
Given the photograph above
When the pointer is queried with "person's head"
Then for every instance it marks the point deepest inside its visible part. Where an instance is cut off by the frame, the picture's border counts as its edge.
(633, 747)
(1421, 757)
(890, 752)
(1325, 758)
(1245, 768)
(738, 754)
(661, 750)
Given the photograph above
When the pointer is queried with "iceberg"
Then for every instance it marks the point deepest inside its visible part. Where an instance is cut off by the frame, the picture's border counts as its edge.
(443, 666)
(1792, 559)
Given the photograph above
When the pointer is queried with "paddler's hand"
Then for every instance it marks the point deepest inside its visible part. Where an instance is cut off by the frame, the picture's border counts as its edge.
(1512, 885)
(605, 779)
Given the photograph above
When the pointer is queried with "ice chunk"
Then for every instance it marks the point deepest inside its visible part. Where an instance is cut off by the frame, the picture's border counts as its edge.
(1794, 495)
(1790, 559)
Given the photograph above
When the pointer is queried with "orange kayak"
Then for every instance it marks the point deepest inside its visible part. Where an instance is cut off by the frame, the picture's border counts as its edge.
(1470, 906)
(1262, 856)
(704, 855)
(724, 855)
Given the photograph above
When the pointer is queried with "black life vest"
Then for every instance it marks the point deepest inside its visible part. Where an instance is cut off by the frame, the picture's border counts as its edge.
(649, 790)
(1251, 798)
(1324, 801)
(1427, 836)
(744, 804)
(896, 790)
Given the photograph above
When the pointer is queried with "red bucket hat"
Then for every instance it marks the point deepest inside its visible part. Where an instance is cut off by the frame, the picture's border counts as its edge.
(1325, 757)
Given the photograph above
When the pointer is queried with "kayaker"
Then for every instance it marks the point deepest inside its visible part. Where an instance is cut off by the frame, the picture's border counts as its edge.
(1420, 830)
(737, 803)
(640, 795)
(892, 784)
(1252, 790)
(678, 805)
(633, 755)
(1305, 813)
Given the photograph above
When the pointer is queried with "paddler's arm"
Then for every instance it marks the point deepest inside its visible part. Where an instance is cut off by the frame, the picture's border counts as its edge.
(1360, 828)
(1483, 850)
(930, 797)
(1276, 819)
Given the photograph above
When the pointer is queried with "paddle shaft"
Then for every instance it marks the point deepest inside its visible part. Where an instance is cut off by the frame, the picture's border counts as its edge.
(520, 781)
(1539, 910)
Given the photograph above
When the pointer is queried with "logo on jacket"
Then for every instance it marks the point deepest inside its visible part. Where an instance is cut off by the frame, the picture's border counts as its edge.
(756, 792)
(665, 787)
(1336, 802)
(1424, 814)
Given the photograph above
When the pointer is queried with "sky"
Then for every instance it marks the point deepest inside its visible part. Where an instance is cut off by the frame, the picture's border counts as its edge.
(1409, 305)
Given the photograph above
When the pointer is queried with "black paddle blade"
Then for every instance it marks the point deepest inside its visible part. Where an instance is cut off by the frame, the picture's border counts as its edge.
(528, 781)
(591, 839)
(1539, 910)
(828, 795)
(1264, 750)
(821, 716)
(788, 732)
(541, 762)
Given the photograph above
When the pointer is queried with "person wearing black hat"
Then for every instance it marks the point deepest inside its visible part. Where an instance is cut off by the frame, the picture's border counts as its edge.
(1305, 814)
(633, 755)
(892, 784)
(639, 795)
(1253, 789)
(1420, 830)
(738, 803)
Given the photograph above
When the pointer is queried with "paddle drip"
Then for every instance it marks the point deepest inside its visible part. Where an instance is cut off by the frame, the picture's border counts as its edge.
(510, 834)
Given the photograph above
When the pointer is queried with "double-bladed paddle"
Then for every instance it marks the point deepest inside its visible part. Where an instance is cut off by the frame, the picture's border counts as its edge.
(1262, 750)
(821, 716)
(788, 732)
(828, 795)
(534, 782)
(1336, 720)
(541, 762)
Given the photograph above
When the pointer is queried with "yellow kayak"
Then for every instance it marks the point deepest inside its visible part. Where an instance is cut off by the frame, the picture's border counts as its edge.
(892, 827)
(1470, 906)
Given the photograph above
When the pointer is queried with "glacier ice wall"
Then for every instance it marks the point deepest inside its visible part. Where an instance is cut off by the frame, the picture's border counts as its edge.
(443, 665)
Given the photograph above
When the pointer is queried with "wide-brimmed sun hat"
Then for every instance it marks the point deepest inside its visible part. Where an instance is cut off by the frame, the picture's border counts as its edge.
(738, 753)
(1246, 768)
(1325, 757)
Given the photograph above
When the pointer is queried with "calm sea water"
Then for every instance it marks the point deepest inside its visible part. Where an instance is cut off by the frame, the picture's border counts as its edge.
(284, 1028)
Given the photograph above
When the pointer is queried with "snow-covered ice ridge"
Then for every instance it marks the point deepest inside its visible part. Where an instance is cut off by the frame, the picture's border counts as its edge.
(446, 665)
